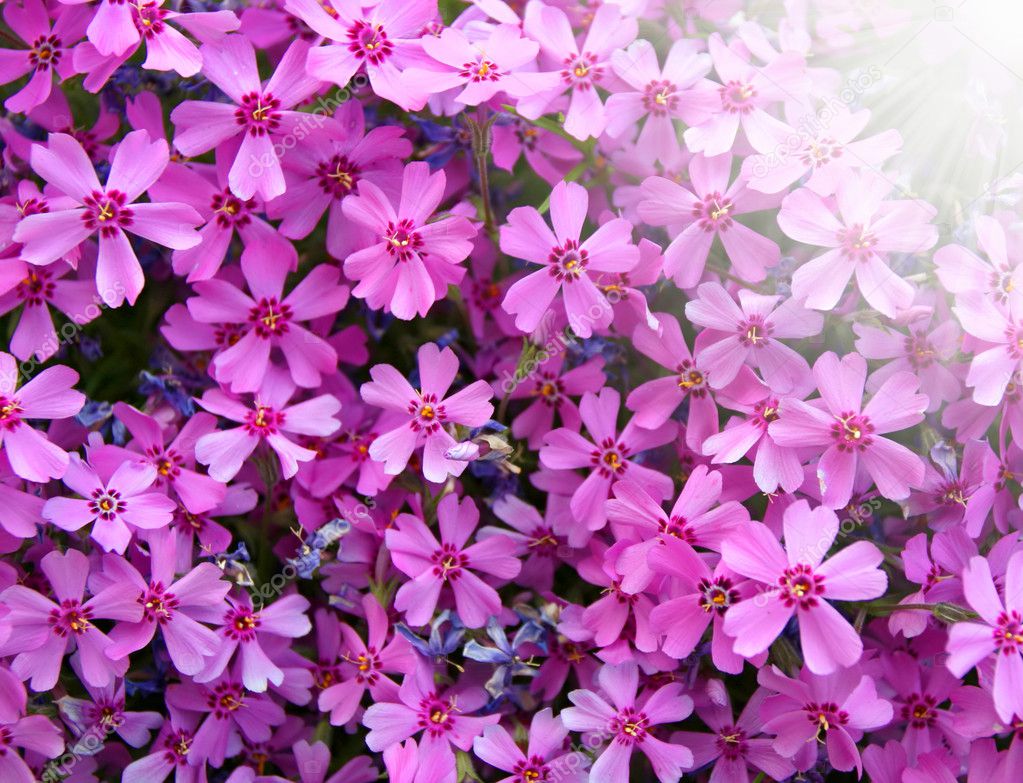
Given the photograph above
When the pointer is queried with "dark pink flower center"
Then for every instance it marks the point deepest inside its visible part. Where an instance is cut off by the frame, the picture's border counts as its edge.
(738, 97)
(825, 715)
(448, 563)
(427, 414)
(819, 152)
(259, 113)
(691, 379)
(337, 176)
(486, 294)
(367, 665)
(70, 618)
(482, 70)
(225, 699)
(717, 595)
(36, 288)
(176, 747)
(45, 53)
(9, 410)
(369, 42)
(919, 350)
(402, 240)
(754, 332)
(106, 503)
(241, 624)
(568, 262)
(660, 98)
(270, 318)
(1002, 283)
(543, 541)
(263, 421)
(920, 710)
(157, 604)
(531, 770)
(857, 242)
(629, 726)
(148, 18)
(32, 206)
(229, 210)
(800, 586)
(1009, 633)
(765, 411)
(677, 527)
(852, 431)
(581, 71)
(550, 389)
(609, 458)
(713, 213)
(106, 212)
(168, 463)
(731, 742)
(436, 715)
(953, 493)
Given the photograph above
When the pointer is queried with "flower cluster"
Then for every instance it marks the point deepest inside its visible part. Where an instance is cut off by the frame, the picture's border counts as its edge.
(493, 390)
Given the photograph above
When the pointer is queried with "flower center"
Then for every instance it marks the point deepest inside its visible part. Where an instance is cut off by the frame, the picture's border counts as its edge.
(824, 716)
(259, 113)
(229, 210)
(263, 421)
(852, 432)
(9, 410)
(369, 42)
(448, 563)
(70, 618)
(482, 70)
(402, 240)
(754, 332)
(737, 97)
(581, 71)
(427, 414)
(1009, 633)
(920, 710)
(148, 18)
(157, 604)
(630, 726)
(731, 742)
(45, 53)
(106, 212)
(106, 504)
(713, 213)
(799, 585)
(660, 98)
(531, 770)
(718, 595)
(337, 176)
(225, 699)
(241, 624)
(691, 379)
(435, 714)
(609, 458)
(270, 318)
(568, 262)
(856, 242)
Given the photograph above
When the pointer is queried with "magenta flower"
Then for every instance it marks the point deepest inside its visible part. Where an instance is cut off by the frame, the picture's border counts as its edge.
(433, 564)
(116, 506)
(260, 113)
(173, 605)
(751, 333)
(629, 721)
(815, 711)
(384, 40)
(35, 734)
(544, 757)
(109, 210)
(47, 396)
(797, 581)
(582, 68)
(708, 211)
(270, 419)
(327, 170)
(45, 630)
(659, 96)
(410, 261)
(443, 719)
(850, 432)
(608, 456)
(48, 54)
(568, 264)
(999, 633)
(866, 230)
(428, 413)
(105, 711)
(271, 322)
(245, 631)
(479, 69)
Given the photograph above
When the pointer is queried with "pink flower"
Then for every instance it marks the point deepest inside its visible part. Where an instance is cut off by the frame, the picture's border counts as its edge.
(849, 431)
(271, 322)
(268, 420)
(992, 368)
(629, 721)
(45, 630)
(480, 69)
(751, 333)
(568, 264)
(47, 396)
(798, 582)
(962, 271)
(746, 92)
(116, 505)
(608, 456)
(109, 210)
(428, 413)
(48, 54)
(582, 68)
(543, 758)
(708, 211)
(384, 40)
(659, 96)
(866, 230)
(409, 261)
(259, 113)
(831, 711)
(433, 565)
(999, 633)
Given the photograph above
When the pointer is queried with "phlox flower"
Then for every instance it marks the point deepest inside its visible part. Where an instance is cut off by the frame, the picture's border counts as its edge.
(270, 322)
(172, 605)
(936, 571)
(813, 711)
(962, 271)
(849, 431)
(428, 412)
(116, 503)
(433, 564)
(445, 719)
(953, 494)
(568, 263)
(269, 419)
(798, 581)
(259, 113)
(409, 261)
(703, 213)
(404, 764)
(479, 69)
(608, 455)
(48, 54)
(47, 396)
(45, 630)
(659, 95)
(536, 539)
(751, 332)
(105, 712)
(998, 634)
(110, 210)
(997, 361)
(860, 239)
(35, 734)
(543, 757)
(169, 752)
(629, 722)
(384, 40)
